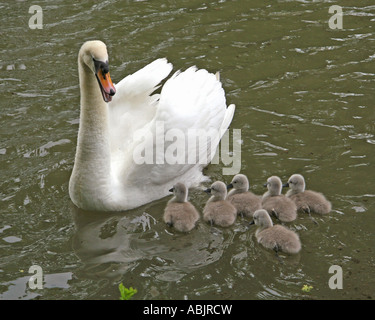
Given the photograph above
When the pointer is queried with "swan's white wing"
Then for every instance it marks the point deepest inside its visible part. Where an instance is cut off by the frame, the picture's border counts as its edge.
(133, 107)
(144, 80)
(191, 102)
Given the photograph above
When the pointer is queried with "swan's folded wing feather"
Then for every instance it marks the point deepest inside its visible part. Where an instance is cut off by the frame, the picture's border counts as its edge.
(192, 104)
(144, 80)
(195, 100)
(133, 105)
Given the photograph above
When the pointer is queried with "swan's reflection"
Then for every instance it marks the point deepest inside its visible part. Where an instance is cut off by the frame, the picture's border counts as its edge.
(110, 245)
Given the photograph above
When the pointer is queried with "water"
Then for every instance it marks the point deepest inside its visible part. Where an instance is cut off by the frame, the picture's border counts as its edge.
(304, 95)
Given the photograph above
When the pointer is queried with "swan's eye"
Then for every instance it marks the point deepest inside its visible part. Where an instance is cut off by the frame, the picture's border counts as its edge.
(100, 65)
(105, 69)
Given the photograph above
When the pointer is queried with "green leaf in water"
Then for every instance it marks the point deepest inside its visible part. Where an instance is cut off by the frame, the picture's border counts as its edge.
(126, 294)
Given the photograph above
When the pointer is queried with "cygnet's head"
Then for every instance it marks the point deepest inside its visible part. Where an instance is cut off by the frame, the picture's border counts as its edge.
(274, 185)
(262, 218)
(94, 55)
(296, 183)
(180, 192)
(218, 190)
(239, 182)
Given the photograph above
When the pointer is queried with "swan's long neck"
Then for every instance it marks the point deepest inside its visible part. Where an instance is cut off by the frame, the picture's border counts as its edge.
(92, 167)
(93, 136)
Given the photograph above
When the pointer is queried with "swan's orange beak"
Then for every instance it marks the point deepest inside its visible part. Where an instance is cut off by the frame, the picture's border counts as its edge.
(106, 85)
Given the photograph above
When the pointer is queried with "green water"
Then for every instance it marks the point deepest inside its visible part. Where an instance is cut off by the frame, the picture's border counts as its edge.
(305, 103)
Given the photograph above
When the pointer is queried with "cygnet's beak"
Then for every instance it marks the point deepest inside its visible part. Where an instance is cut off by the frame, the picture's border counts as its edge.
(171, 190)
(229, 186)
(104, 79)
(251, 222)
(208, 190)
(286, 185)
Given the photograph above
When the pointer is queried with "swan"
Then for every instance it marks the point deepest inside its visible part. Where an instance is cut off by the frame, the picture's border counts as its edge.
(244, 200)
(306, 200)
(218, 210)
(120, 123)
(276, 237)
(179, 212)
(276, 203)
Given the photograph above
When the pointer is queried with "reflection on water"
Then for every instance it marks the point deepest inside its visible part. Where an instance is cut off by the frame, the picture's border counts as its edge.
(304, 103)
(123, 241)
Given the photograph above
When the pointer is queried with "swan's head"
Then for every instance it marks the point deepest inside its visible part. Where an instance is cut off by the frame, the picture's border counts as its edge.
(94, 55)
(180, 192)
(218, 190)
(274, 185)
(239, 182)
(262, 219)
(296, 182)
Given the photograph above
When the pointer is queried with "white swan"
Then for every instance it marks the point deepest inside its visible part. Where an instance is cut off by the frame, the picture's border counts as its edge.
(116, 122)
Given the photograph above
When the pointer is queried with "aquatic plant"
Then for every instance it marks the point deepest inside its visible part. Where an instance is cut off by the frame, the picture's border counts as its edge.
(126, 294)
(306, 288)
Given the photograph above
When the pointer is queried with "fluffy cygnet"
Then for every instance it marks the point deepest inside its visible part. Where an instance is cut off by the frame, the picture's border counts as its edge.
(245, 201)
(276, 203)
(218, 210)
(306, 200)
(180, 213)
(276, 237)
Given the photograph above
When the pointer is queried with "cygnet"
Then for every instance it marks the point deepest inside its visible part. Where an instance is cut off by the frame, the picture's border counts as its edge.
(306, 200)
(244, 200)
(180, 213)
(218, 210)
(276, 203)
(276, 237)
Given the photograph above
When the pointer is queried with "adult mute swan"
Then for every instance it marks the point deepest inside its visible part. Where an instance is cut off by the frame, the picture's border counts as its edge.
(128, 136)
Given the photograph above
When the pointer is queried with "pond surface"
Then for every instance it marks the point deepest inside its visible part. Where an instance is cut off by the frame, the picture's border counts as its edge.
(304, 96)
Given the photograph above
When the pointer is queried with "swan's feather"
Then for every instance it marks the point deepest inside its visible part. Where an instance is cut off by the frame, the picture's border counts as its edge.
(193, 99)
(144, 80)
(133, 107)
